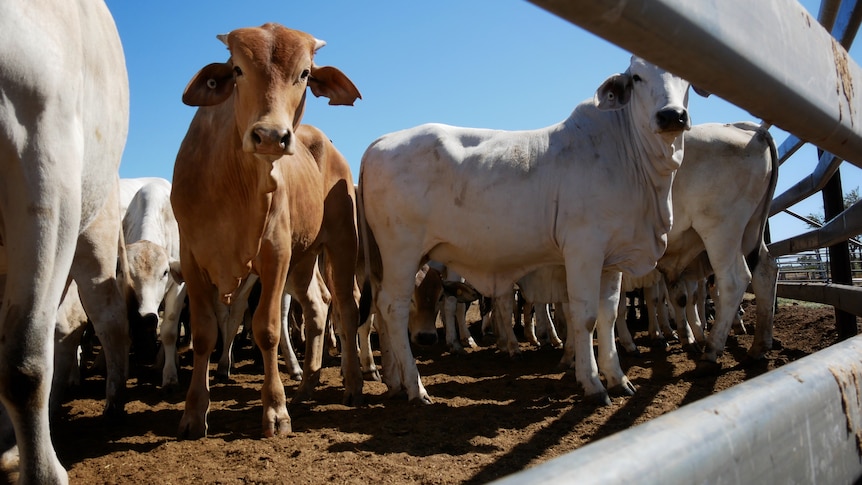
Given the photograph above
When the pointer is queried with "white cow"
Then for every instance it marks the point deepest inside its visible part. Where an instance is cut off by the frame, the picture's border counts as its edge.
(453, 194)
(63, 125)
(721, 201)
(153, 251)
(129, 187)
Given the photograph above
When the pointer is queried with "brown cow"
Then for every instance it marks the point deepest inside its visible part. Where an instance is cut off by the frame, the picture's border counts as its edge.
(255, 192)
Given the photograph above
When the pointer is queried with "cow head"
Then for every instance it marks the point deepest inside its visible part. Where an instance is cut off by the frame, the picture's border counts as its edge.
(267, 74)
(657, 104)
(655, 96)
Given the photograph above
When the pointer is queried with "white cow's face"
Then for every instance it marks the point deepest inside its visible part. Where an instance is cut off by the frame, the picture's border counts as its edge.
(660, 97)
(149, 276)
(658, 100)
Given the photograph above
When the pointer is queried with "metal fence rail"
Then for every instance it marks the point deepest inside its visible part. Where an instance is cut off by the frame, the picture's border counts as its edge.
(800, 423)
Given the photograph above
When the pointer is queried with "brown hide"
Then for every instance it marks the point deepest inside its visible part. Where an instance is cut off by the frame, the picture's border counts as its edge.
(253, 191)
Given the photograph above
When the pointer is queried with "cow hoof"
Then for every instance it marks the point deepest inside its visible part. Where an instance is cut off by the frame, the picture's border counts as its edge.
(188, 431)
(169, 388)
(423, 400)
(353, 399)
(470, 343)
(598, 399)
(658, 344)
(221, 378)
(457, 350)
(372, 375)
(753, 361)
(626, 388)
(296, 376)
(114, 411)
(635, 352)
(706, 368)
(279, 427)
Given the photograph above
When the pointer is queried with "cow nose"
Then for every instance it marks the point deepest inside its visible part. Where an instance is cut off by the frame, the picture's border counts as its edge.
(270, 140)
(672, 119)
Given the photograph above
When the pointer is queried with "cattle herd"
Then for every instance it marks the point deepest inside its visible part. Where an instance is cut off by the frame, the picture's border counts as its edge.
(625, 193)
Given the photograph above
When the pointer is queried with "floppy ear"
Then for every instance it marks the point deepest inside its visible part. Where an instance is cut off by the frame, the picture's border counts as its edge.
(329, 82)
(210, 86)
(177, 272)
(614, 93)
(702, 92)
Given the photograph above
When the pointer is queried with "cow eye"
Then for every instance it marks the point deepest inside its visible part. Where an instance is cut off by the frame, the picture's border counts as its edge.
(305, 74)
(165, 275)
(636, 78)
(237, 71)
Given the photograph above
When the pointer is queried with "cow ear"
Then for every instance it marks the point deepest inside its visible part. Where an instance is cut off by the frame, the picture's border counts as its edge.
(177, 271)
(329, 82)
(700, 91)
(210, 86)
(463, 292)
(614, 93)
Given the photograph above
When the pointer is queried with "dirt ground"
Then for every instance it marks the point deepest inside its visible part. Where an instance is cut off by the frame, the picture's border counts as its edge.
(491, 416)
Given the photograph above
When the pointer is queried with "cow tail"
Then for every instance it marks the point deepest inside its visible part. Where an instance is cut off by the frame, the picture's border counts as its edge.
(753, 258)
(366, 297)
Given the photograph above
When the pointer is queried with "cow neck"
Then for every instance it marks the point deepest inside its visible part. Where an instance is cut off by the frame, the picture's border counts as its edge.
(243, 195)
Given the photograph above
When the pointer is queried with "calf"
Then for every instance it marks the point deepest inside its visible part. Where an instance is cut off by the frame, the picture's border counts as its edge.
(255, 192)
(154, 274)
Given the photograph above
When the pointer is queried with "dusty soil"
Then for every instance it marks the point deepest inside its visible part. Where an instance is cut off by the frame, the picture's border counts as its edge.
(491, 416)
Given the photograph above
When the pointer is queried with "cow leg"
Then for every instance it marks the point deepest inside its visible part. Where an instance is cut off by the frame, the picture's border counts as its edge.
(461, 322)
(609, 361)
(314, 311)
(95, 271)
(393, 304)
(203, 301)
(507, 341)
(266, 328)
(622, 327)
(679, 299)
(230, 317)
(763, 281)
(341, 270)
(659, 296)
(545, 325)
(583, 277)
(28, 316)
(366, 355)
(693, 302)
(71, 322)
(286, 343)
(568, 359)
(448, 315)
(169, 332)
(731, 279)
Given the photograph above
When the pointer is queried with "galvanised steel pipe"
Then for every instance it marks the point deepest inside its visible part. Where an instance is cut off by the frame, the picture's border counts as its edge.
(800, 423)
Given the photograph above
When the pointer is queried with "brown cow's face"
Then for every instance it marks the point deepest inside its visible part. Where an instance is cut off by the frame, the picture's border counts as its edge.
(271, 69)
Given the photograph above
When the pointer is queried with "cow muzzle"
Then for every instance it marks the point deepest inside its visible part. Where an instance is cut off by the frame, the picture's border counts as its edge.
(672, 120)
(268, 140)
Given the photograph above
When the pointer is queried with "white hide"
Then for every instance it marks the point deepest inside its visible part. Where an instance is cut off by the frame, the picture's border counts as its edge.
(63, 124)
(454, 194)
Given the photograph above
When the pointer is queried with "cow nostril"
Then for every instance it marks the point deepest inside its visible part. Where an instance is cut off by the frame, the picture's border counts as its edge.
(285, 140)
(668, 119)
(255, 138)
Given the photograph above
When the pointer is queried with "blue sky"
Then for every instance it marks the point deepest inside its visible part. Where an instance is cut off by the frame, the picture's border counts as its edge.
(503, 64)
